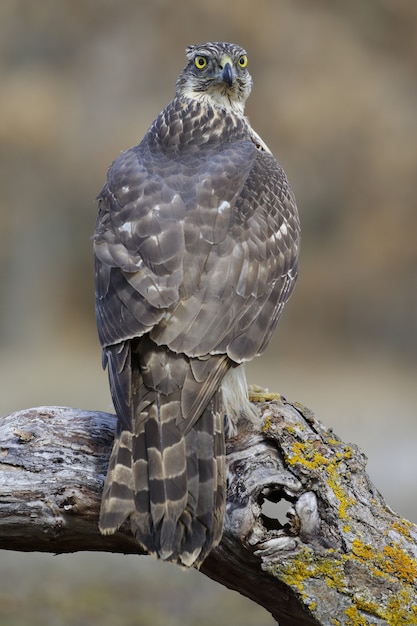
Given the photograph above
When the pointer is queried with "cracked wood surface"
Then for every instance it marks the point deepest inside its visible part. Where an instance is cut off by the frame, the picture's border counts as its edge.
(339, 556)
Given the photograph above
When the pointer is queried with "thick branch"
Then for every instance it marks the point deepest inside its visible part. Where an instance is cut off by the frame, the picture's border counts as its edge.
(341, 556)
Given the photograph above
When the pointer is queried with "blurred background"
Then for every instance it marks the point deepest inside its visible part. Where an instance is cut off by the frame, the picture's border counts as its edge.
(335, 98)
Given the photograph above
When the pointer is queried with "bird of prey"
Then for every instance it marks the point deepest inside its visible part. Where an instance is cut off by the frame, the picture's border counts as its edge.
(196, 250)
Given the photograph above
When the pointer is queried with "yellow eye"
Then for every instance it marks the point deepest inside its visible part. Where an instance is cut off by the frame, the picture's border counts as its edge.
(200, 62)
(243, 60)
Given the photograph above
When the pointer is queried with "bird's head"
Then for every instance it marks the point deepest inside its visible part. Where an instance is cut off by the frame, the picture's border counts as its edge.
(216, 73)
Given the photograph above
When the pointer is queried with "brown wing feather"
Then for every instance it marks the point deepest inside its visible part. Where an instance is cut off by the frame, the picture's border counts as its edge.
(248, 276)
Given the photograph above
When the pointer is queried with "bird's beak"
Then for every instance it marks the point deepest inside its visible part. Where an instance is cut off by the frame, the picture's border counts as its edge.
(227, 74)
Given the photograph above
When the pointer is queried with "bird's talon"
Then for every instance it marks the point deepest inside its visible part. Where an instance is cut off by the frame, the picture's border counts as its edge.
(259, 394)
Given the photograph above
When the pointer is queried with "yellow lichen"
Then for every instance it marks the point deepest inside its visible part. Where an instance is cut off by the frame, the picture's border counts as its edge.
(401, 609)
(344, 502)
(395, 608)
(307, 454)
(392, 561)
(363, 550)
(364, 603)
(402, 527)
(333, 442)
(306, 565)
(399, 563)
(267, 424)
(354, 618)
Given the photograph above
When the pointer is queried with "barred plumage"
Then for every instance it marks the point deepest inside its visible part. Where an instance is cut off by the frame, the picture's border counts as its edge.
(196, 250)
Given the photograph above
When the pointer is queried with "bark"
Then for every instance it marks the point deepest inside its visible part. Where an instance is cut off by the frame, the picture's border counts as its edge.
(339, 556)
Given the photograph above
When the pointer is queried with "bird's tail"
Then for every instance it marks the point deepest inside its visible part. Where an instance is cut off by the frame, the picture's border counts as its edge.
(168, 477)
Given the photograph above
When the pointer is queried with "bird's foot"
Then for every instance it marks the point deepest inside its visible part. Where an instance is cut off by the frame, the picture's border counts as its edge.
(259, 394)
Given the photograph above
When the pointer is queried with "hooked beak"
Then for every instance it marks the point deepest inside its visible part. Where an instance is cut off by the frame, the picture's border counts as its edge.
(227, 74)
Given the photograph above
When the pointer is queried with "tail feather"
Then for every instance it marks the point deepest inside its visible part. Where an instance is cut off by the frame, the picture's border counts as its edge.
(169, 480)
(203, 522)
(118, 496)
(167, 470)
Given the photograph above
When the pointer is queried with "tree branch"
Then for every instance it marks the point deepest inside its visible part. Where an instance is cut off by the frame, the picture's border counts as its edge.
(341, 556)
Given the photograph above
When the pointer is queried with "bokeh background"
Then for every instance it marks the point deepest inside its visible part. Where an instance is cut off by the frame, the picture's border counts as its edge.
(335, 98)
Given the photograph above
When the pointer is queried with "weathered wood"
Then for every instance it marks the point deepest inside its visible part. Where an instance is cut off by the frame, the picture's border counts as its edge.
(341, 556)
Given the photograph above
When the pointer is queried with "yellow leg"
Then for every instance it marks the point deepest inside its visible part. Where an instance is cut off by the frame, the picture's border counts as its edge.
(259, 394)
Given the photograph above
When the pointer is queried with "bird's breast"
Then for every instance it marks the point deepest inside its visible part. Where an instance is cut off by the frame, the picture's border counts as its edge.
(187, 127)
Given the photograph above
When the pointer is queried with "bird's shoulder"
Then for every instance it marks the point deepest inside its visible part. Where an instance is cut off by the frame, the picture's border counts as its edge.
(192, 156)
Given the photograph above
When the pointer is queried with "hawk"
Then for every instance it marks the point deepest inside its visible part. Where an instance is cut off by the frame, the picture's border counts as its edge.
(196, 249)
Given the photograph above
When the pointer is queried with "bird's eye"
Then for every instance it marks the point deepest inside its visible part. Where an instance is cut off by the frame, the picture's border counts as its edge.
(243, 60)
(200, 62)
